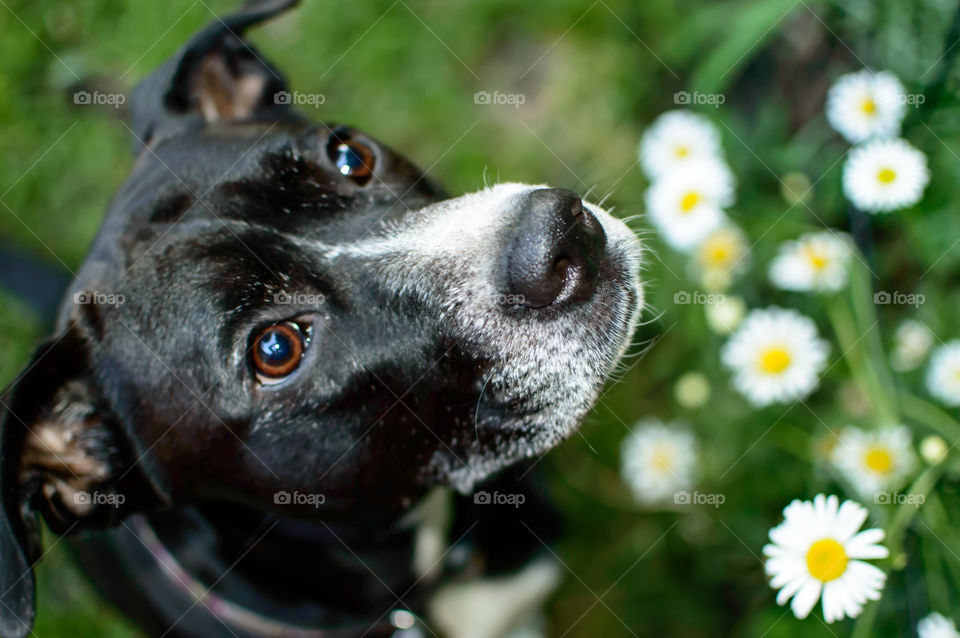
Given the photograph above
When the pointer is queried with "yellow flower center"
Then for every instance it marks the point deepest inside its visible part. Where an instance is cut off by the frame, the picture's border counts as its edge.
(717, 250)
(775, 360)
(817, 259)
(869, 106)
(663, 459)
(878, 460)
(681, 151)
(717, 254)
(826, 560)
(689, 200)
(886, 175)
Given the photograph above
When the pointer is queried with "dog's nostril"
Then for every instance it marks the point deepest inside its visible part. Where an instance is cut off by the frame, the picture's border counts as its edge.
(555, 249)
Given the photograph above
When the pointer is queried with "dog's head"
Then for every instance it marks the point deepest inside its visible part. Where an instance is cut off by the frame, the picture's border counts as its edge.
(274, 305)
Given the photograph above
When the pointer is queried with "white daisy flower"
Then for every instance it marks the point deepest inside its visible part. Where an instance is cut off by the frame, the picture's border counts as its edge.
(817, 552)
(687, 205)
(885, 175)
(937, 626)
(874, 460)
(674, 139)
(776, 355)
(721, 256)
(866, 105)
(911, 342)
(943, 377)
(658, 460)
(813, 262)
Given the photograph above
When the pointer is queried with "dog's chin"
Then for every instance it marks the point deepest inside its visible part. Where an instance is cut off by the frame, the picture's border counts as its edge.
(546, 371)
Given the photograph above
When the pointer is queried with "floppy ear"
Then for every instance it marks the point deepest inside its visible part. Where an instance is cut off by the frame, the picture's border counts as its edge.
(217, 75)
(60, 456)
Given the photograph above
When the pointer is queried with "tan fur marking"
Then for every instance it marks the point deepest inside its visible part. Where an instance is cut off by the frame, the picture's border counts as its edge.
(223, 96)
(54, 451)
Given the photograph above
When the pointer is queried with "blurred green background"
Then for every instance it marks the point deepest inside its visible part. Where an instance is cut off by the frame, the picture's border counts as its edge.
(593, 76)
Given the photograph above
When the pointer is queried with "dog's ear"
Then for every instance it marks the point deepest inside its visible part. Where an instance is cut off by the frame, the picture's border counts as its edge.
(59, 458)
(217, 75)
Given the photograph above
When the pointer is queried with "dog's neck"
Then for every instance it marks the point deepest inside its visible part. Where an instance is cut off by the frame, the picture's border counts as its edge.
(226, 611)
(236, 563)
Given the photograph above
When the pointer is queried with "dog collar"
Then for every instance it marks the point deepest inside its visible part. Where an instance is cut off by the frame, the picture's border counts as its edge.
(397, 623)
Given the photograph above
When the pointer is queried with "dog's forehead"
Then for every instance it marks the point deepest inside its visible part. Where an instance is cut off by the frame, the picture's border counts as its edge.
(274, 175)
(239, 212)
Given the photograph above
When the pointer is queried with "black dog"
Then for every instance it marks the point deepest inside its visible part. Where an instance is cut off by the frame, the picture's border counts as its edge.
(284, 337)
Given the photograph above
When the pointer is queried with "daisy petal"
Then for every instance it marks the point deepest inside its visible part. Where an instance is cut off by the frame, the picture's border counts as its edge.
(806, 598)
(864, 545)
(850, 518)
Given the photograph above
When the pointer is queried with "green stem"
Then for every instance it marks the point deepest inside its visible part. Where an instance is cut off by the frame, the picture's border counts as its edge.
(846, 331)
(865, 311)
(907, 511)
(864, 624)
(850, 337)
(922, 411)
(935, 516)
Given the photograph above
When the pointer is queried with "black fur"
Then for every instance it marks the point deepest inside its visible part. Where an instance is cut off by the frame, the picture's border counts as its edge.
(232, 202)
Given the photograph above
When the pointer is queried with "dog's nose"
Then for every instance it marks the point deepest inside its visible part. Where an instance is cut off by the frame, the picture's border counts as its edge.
(555, 250)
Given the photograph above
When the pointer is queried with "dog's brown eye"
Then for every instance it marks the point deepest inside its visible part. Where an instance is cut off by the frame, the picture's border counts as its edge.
(352, 158)
(277, 351)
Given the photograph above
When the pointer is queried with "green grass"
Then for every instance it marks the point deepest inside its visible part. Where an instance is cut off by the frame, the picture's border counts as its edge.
(593, 75)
